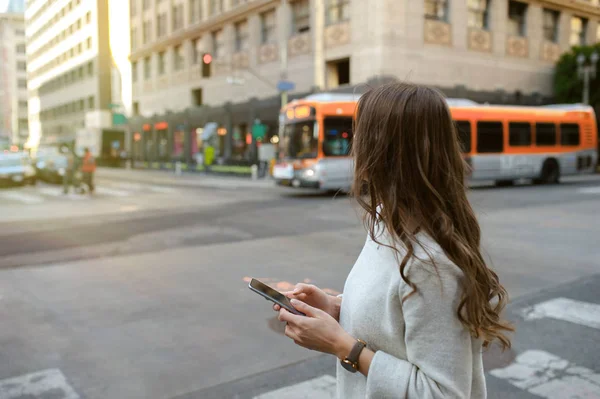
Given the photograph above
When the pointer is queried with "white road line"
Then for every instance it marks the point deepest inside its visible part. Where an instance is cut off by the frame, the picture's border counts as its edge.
(51, 191)
(323, 387)
(42, 384)
(589, 190)
(112, 192)
(162, 189)
(547, 375)
(17, 195)
(578, 312)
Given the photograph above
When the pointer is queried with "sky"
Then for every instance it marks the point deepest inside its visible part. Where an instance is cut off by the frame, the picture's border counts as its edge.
(3, 5)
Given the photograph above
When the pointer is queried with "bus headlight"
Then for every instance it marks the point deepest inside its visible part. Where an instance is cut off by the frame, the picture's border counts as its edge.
(309, 174)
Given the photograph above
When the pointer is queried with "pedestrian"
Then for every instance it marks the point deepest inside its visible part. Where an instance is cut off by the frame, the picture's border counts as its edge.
(420, 303)
(88, 167)
(70, 170)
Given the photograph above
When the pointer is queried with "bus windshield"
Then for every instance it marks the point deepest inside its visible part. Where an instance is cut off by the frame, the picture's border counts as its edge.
(300, 140)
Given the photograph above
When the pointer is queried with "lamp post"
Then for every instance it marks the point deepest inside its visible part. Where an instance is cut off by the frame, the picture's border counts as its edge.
(587, 71)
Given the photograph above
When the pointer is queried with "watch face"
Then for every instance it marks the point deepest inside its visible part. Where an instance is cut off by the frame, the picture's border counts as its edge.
(348, 366)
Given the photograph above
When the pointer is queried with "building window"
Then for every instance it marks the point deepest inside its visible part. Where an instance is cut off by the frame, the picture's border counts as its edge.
(22, 83)
(301, 16)
(241, 36)
(146, 32)
(551, 25)
(88, 17)
(132, 8)
(517, 12)
(133, 38)
(146, 4)
(91, 102)
(268, 27)
(22, 66)
(134, 72)
(338, 73)
(179, 60)
(19, 32)
(177, 17)
(161, 63)
(478, 14)
(195, 11)
(161, 24)
(215, 7)
(196, 51)
(235, 3)
(217, 43)
(578, 31)
(436, 10)
(147, 68)
(337, 11)
(90, 67)
(89, 43)
(21, 48)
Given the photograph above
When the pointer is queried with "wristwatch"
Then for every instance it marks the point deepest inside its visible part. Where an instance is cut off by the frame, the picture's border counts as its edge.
(350, 362)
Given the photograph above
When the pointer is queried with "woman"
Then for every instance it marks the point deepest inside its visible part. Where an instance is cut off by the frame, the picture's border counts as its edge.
(420, 302)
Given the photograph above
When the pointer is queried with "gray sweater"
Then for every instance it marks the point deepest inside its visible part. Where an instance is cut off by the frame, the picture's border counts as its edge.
(421, 348)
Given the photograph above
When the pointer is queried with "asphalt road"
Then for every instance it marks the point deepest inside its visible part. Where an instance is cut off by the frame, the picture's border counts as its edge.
(140, 292)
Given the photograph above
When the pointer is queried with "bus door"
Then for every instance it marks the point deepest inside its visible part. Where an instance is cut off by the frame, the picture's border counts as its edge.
(521, 163)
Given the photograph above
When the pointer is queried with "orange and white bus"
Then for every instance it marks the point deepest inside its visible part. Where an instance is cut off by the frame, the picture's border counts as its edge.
(501, 143)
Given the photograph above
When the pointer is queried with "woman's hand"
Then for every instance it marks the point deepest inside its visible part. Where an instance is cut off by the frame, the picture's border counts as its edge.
(315, 297)
(318, 330)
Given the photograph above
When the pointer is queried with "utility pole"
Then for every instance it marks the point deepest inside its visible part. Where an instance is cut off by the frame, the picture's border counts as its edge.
(283, 51)
(587, 71)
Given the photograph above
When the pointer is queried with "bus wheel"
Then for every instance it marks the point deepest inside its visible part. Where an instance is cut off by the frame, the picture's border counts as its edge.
(550, 172)
(504, 183)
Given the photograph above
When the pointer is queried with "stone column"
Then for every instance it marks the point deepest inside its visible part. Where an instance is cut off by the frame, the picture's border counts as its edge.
(498, 21)
(458, 20)
(535, 30)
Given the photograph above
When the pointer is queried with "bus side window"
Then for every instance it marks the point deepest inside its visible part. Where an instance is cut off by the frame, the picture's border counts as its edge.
(464, 135)
(490, 137)
(545, 134)
(569, 134)
(519, 134)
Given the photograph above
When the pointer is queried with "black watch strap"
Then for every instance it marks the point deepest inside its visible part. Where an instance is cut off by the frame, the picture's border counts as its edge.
(350, 363)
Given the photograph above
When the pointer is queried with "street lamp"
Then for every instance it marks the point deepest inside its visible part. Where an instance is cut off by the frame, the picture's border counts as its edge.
(586, 71)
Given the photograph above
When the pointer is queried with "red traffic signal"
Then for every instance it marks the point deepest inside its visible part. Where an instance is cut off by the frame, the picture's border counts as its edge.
(207, 58)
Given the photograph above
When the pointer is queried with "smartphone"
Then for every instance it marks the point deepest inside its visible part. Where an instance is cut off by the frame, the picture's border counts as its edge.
(272, 295)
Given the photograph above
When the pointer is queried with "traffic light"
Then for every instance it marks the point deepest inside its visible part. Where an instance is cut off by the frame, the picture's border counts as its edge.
(206, 62)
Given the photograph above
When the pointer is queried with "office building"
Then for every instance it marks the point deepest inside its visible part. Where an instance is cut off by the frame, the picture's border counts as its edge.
(13, 75)
(501, 51)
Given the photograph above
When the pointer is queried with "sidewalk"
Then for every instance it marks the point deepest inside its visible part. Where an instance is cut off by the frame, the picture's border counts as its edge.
(186, 179)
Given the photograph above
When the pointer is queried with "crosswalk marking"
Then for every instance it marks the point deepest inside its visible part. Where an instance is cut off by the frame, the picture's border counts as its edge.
(49, 383)
(113, 192)
(51, 191)
(323, 387)
(547, 375)
(583, 313)
(21, 197)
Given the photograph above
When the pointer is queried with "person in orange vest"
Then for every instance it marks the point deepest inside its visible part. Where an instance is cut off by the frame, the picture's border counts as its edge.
(88, 167)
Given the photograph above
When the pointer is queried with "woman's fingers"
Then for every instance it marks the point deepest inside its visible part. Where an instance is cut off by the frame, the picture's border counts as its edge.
(302, 288)
(276, 307)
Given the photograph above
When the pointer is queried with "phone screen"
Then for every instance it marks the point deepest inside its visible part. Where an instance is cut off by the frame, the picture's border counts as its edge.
(274, 294)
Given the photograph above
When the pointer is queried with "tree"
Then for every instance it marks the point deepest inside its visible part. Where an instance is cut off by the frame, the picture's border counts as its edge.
(568, 87)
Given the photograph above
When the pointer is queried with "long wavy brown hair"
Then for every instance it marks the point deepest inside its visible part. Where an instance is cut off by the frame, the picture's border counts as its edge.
(409, 173)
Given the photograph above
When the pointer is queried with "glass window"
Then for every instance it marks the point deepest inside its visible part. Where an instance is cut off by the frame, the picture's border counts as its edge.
(569, 134)
(578, 30)
(300, 140)
(147, 68)
(146, 4)
(134, 72)
(301, 16)
(161, 63)
(91, 102)
(177, 12)
(338, 136)
(490, 138)
(545, 134)
(338, 11)
(22, 83)
(179, 59)
(436, 10)
(519, 134)
(146, 32)
(215, 7)
(241, 36)
(161, 24)
(516, 18)
(133, 38)
(551, 25)
(88, 17)
(217, 42)
(464, 135)
(268, 27)
(478, 13)
(21, 48)
(195, 11)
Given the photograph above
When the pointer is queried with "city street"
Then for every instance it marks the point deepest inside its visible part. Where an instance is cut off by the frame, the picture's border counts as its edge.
(141, 290)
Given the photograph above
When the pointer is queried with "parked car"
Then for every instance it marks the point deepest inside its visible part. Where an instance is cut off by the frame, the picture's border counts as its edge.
(51, 168)
(15, 169)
